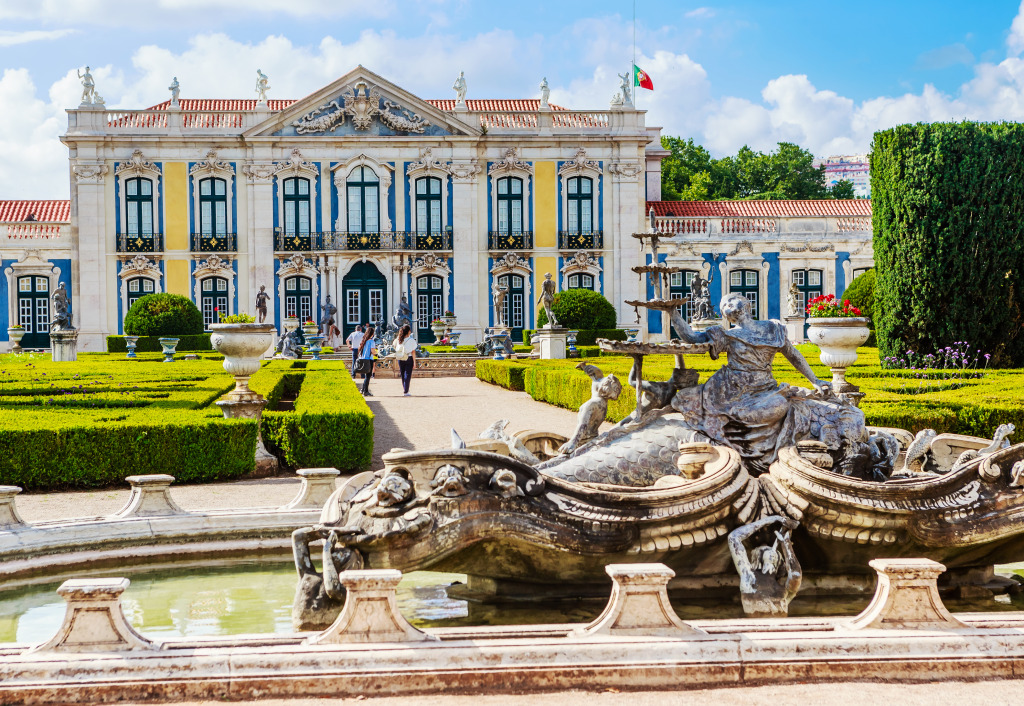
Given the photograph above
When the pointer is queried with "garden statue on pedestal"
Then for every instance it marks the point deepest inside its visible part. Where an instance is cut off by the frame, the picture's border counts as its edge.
(547, 298)
(261, 303)
(328, 310)
(403, 314)
(793, 301)
(289, 346)
(499, 292)
(700, 295)
(61, 310)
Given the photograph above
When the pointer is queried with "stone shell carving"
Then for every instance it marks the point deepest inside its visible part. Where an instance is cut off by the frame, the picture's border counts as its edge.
(295, 164)
(579, 163)
(214, 265)
(136, 164)
(428, 163)
(510, 162)
(363, 104)
(294, 264)
(212, 164)
(511, 261)
(465, 171)
(139, 263)
(581, 260)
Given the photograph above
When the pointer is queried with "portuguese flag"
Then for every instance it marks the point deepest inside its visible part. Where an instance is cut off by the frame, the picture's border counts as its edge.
(640, 78)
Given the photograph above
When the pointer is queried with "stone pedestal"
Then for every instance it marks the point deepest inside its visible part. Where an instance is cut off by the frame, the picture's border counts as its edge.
(552, 342)
(9, 516)
(64, 345)
(317, 486)
(151, 497)
(639, 604)
(705, 324)
(94, 621)
(249, 405)
(795, 329)
(906, 598)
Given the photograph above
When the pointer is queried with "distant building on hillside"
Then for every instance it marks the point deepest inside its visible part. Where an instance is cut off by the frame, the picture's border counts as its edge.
(847, 167)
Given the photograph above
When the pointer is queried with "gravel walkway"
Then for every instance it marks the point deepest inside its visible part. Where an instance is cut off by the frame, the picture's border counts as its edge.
(423, 420)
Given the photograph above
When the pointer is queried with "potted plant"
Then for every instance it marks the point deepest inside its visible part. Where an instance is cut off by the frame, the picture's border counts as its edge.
(438, 326)
(14, 334)
(242, 342)
(309, 328)
(449, 318)
(837, 328)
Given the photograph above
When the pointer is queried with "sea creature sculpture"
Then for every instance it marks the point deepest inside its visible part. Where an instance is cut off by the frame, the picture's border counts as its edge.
(449, 482)
(593, 412)
(770, 574)
(658, 395)
(999, 441)
(917, 456)
(503, 482)
(516, 448)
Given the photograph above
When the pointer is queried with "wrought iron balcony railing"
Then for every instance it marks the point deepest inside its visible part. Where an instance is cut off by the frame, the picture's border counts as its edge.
(577, 240)
(347, 241)
(510, 240)
(214, 242)
(145, 242)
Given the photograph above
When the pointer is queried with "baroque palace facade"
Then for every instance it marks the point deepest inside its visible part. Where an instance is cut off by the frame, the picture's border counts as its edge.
(366, 193)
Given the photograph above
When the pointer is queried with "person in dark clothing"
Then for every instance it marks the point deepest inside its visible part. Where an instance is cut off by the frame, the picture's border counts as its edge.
(367, 347)
(405, 353)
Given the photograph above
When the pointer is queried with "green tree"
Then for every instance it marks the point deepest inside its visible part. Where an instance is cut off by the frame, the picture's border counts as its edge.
(163, 315)
(842, 190)
(582, 309)
(948, 204)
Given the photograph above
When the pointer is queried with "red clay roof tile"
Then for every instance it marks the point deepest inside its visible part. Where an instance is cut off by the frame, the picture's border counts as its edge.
(56, 211)
(761, 209)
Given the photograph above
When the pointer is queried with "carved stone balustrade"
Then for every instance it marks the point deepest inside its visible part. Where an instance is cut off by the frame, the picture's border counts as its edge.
(907, 597)
(317, 486)
(9, 516)
(151, 497)
(94, 620)
(639, 604)
(370, 613)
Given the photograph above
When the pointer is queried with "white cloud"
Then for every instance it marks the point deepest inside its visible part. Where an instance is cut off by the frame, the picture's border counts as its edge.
(35, 163)
(699, 13)
(9, 38)
(183, 12)
(1015, 41)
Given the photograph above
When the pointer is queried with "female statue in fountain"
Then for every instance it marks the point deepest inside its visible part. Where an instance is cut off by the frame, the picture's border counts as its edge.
(742, 405)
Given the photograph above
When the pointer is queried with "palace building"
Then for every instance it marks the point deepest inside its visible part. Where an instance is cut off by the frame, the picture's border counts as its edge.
(366, 193)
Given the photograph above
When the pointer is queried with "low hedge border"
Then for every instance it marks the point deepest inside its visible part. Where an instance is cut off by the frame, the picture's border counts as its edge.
(151, 344)
(587, 338)
(977, 408)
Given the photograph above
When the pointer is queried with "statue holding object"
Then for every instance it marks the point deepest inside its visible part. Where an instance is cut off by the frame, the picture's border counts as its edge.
(769, 573)
(547, 299)
(261, 303)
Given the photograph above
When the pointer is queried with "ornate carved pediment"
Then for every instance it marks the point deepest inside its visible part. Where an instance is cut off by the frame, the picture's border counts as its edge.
(509, 163)
(90, 173)
(295, 164)
(429, 261)
(212, 165)
(362, 103)
(624, 171)
(295, 264)
(214, 265)
(511, 261)
(579, 163)
(743, 245)
(136, 165)
(138, 265)
(465, 171)
(429, 163)
(260, 172)
(580, 261)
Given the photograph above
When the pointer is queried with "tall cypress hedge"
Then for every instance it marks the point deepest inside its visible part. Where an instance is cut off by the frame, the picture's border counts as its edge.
(948, 216)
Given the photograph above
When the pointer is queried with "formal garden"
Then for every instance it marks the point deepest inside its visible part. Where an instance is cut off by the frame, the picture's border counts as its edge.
(93, 422)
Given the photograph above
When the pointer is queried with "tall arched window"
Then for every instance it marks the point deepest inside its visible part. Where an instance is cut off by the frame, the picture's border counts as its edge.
(213, 207)
(745, 282)
(214, 300)
(510, 205)
(139, 207)
(296, 206)
(580, 218)
(138, 287)
(298, 298)
(679, 287)
(363, 201)
(428, 206)
(581, 281)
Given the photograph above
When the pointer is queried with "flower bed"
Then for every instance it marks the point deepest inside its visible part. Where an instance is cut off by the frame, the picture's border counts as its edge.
(977, 407)
(95, 421)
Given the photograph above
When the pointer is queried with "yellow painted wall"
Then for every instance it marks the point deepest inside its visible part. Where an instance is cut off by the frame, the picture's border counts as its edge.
(545, 200)
(177, 277)
(176, 206)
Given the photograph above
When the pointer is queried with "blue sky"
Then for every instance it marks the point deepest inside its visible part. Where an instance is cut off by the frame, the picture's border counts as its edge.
(824, 75)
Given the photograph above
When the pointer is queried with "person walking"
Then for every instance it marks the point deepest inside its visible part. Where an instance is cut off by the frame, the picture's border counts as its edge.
(353, 340)
(405, 354)
(364, 361)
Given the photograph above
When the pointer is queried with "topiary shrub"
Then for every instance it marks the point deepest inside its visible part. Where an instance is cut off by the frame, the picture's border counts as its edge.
(861, 294)
(582, 309)
(947, 202)
(163, 315)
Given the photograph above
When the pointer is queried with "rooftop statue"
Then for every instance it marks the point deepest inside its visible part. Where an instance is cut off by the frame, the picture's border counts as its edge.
(460, 89)
(88, 87)
(262, 86)
(545, 92)
(175, 89)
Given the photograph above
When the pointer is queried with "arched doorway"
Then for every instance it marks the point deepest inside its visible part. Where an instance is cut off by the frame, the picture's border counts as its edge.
(213, 300)
(514, 307)
(34, 310)
(809, 285)
(429, 295)
(363, 296)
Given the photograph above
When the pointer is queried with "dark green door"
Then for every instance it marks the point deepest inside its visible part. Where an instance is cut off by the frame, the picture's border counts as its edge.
(514, 306)
(429, 294)
(34, 311)
(363, 295)
(808, 284)
(298, 299)
(679, 287)
(213, 300)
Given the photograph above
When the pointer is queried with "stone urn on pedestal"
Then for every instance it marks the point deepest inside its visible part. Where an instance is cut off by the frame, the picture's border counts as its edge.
(14, 335)
(838, 338)
(169, 345)
(131, 342)
(310, 329)
(438, 327)
(242, 346)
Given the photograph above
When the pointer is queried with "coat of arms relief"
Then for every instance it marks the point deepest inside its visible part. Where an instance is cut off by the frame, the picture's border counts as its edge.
(362, 103)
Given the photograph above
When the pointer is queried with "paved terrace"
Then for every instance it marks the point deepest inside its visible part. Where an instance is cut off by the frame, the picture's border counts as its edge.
(422, 421)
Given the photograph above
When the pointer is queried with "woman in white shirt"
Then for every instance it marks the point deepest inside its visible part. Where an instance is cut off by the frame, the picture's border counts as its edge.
(405, 353)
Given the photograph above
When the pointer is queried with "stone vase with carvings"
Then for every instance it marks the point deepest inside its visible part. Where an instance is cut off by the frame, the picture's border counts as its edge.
(242, 346)
(838, 339)
(14, 335)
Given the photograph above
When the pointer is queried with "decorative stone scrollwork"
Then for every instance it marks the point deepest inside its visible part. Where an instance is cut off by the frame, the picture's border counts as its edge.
(429, 163)
(510, 262)
(465, 171)
(362, 103)
(580, 262)
(625, 171)
(212, 165)
(678, 248)
(214, 265)
(295, 264)
(826, 247)
(579, 163)
(509, 163)
(90, 173)
(743, 245)
(259, 172)
(295, 164)
(139, 264)
(136, 165)
(430, 261)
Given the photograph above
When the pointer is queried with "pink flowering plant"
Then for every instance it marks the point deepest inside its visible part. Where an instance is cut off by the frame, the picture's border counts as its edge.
(946, 369)
(827, 306)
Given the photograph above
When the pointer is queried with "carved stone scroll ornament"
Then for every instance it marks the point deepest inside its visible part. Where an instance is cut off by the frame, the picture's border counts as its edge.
(428, 163)
(625, 171)
(90, 173)
(139, 263)
(295, 164)
(214, 265)
(581, 260)
(136, 165)
(296, 264)
(259, 172)
(509, 163)
(579, 163)
(511, 261)
(212, 164)
(363, 104)
(465, 171)
(743, 245)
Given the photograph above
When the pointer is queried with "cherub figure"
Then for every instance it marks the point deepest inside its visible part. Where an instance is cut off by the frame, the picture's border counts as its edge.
(769, 573)
(594, 410)
(658, 395)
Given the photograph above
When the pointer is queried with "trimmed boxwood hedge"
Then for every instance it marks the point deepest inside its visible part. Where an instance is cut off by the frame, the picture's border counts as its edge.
(163, 314)
(93, 422)
(588, 338)
(151, 344)
(977, 408)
